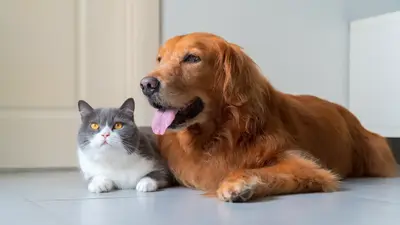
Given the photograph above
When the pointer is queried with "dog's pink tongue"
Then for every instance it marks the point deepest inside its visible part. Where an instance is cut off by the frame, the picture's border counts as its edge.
(162, 120)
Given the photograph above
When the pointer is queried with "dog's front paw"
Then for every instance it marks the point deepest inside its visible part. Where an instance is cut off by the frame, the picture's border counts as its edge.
(237, 188)
(146, 184)
(100, 184)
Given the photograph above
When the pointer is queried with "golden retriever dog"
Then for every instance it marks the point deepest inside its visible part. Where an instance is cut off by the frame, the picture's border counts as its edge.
(224, 129)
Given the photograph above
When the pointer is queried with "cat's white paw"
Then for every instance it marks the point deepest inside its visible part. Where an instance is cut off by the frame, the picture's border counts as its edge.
(100, 184)
(146, 184)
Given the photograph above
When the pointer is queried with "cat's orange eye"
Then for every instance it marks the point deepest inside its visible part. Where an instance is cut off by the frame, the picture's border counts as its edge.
(118, 126)
(94, 126)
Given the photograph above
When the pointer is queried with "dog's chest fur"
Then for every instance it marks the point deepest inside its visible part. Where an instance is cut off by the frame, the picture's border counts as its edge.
(202, 169)
(194, 168)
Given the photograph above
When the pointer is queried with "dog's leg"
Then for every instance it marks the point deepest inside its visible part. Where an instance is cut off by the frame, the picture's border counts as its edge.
(291, 173)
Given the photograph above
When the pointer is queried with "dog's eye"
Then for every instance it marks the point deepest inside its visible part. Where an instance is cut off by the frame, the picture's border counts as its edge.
(190, 58)
(159, 59)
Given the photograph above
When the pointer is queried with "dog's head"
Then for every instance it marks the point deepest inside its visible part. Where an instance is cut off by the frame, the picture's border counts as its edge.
(195, 75)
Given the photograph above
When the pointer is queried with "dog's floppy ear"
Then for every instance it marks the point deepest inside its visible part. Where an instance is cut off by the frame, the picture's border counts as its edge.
(236, 69)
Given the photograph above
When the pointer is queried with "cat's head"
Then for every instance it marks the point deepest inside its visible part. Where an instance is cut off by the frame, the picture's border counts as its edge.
(106, 128)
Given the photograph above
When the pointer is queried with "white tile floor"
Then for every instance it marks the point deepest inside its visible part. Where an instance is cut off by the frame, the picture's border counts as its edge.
(61, 198)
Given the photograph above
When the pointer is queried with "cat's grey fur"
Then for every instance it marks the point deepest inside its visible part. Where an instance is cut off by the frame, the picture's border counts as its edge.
(129, 159)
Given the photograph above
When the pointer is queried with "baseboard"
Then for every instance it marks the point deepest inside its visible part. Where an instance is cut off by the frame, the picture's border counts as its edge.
(47, 169)
(395, 144)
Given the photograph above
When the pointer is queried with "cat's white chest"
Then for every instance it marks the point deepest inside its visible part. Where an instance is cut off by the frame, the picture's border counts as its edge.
(124, 170)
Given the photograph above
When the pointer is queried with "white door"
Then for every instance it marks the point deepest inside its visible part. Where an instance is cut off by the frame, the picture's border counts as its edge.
(53, 53)
(375, 73)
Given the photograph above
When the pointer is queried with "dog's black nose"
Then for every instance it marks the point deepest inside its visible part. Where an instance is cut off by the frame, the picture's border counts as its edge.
(149, 85)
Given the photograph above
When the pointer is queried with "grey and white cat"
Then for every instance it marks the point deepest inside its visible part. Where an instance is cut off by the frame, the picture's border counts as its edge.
(114, 154)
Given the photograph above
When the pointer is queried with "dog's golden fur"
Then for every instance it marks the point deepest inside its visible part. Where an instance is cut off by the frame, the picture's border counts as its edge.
(252, 140)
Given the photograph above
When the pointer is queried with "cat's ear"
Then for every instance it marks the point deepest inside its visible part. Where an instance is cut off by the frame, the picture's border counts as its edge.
(84, 108)
(129, 105)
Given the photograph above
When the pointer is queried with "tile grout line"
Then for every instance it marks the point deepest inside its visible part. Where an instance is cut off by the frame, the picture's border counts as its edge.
(97, 198)
(375, 199)
(52, 214)
(83, 199)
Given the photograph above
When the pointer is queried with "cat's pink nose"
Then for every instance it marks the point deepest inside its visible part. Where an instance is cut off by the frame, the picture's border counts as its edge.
(105, 135)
